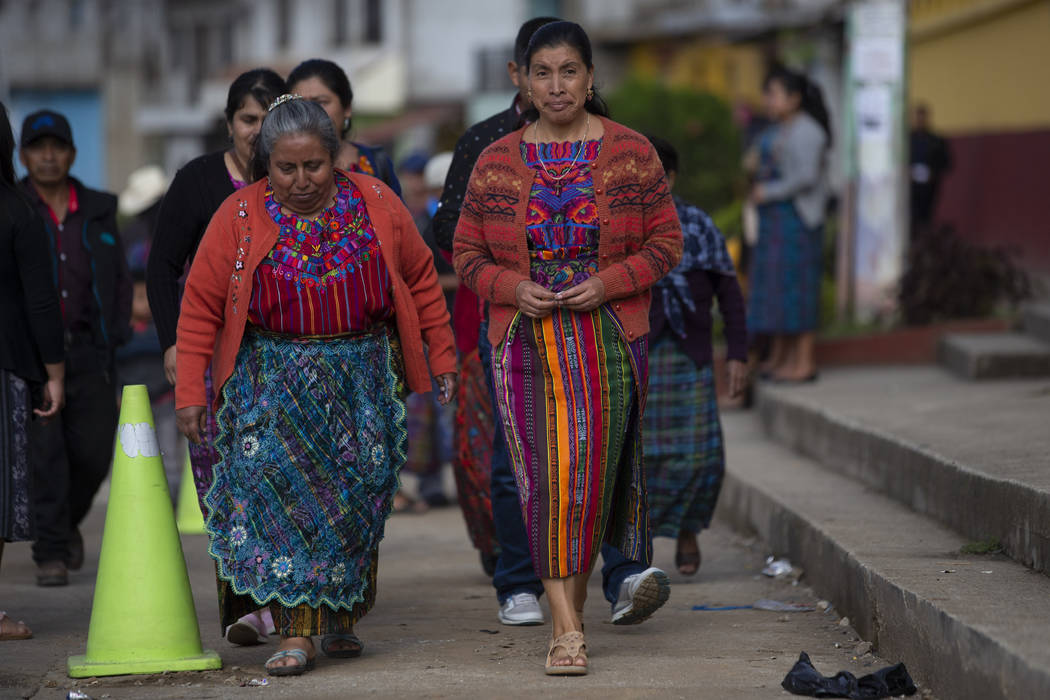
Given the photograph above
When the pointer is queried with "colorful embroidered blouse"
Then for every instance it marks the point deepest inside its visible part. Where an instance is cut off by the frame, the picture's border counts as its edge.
(562, 218)
(363, 165)
(324, 276)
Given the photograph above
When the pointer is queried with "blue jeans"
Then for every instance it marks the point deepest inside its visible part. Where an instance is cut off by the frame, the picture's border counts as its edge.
(514, 570)
(615, 568)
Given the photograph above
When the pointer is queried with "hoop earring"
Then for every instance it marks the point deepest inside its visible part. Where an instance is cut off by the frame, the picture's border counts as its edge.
(590, 94)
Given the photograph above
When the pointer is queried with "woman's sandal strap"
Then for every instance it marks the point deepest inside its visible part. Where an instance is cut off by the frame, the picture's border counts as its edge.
(301, 656)
(572, 642)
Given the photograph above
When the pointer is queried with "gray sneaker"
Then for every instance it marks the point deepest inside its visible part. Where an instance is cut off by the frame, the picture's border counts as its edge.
(521, 609)
(640, 596)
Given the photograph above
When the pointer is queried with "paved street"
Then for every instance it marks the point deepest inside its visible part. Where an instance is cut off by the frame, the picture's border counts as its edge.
(434, 633)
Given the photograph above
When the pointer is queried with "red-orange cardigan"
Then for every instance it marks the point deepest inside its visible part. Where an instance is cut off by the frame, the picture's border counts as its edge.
(215, 303)
(640, 238)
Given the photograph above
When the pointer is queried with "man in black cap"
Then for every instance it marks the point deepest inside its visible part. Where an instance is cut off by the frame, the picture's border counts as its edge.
(71, 454)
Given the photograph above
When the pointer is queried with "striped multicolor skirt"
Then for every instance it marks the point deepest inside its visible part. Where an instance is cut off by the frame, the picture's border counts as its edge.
(311, 435)
(472, 462)
(571, 392)
(684, 452)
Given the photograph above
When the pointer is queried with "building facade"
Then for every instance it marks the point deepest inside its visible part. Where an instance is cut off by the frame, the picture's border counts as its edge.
(145, 81)
(981, 67)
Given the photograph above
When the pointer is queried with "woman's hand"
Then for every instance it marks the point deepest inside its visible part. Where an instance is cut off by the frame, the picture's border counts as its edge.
(447, 388)
(738, 378)
(169, 365)
(54, 392)
(586, 296)
(190, 421)
(533, 300)
(751, 161)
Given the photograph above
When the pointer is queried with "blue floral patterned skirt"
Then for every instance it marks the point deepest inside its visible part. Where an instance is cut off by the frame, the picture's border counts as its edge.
(311, 435)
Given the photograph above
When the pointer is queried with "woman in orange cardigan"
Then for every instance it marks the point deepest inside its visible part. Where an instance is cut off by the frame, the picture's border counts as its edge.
(311, 297)
(565, 226)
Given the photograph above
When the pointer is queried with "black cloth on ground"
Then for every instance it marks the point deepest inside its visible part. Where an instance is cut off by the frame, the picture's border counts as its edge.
(804, 679)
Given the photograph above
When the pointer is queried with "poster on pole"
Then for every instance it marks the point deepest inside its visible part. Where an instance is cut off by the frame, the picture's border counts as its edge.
(876, 108)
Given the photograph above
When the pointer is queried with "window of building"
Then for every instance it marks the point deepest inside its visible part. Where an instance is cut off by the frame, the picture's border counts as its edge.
(340, 20)
(76, 14)
(373, 21)
(226, 39)
(284, 23)
(491, 65)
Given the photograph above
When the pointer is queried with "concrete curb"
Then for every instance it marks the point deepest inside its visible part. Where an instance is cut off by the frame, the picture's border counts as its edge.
(994, 355)
(1036, 320)
(945, 641)
(965, 499)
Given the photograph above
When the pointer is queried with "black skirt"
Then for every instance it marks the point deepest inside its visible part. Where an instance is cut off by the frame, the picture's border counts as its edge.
(16, 518)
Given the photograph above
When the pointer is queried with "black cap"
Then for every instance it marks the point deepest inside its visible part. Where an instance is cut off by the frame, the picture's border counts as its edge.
(45, 123)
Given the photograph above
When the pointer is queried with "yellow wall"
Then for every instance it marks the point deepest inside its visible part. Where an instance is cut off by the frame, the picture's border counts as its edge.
(731, 71)
(981, 65)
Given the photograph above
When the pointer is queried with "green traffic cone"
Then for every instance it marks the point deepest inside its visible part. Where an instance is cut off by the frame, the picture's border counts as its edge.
(188, 515)
(143, 619)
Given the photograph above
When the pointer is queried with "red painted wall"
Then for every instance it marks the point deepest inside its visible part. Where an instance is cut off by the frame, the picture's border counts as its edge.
(998, 192)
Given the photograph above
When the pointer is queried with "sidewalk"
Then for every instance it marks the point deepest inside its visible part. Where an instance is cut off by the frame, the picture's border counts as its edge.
(434, 632)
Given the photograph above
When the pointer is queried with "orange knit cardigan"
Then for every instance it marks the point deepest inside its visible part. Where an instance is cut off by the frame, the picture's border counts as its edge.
(215, 304)
(640, 238)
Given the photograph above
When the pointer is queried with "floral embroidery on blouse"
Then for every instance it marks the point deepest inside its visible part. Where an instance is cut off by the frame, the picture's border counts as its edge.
(324, 276)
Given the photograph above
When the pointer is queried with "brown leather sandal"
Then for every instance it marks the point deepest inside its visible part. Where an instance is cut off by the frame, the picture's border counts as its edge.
(10, 630)
(575, 648)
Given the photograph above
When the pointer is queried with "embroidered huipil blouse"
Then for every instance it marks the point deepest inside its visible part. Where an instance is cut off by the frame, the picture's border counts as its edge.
(324, 276)
(562, 219)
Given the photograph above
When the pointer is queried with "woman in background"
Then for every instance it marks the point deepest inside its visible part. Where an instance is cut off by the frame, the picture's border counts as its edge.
(322, 81)
(684, 451)
(791, 192)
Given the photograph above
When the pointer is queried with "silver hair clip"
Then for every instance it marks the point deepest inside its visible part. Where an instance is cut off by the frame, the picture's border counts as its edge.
(287, 97)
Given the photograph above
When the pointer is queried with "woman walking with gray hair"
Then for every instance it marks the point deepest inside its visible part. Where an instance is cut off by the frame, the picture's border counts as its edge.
(312, 298)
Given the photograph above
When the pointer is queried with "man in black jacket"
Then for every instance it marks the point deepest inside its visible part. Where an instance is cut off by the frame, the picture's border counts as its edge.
(71, 455)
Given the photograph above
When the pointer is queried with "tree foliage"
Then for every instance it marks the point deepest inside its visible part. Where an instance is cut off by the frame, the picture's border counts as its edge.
(698, 124)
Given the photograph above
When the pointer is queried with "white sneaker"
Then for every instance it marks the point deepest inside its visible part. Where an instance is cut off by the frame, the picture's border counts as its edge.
(252, 629)
(521, 609)
(640, 596)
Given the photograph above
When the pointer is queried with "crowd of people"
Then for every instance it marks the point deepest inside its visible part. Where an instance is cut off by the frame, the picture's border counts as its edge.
(534, 307)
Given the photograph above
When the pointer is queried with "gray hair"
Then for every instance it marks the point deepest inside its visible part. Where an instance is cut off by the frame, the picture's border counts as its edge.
(293, 116)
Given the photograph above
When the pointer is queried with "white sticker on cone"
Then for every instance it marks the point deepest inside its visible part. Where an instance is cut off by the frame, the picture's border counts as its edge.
(138, 440)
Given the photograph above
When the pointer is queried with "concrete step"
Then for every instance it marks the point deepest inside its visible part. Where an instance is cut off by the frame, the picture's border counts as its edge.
(1035, 319)
(994, 355)
(972, 455)
(967, 626)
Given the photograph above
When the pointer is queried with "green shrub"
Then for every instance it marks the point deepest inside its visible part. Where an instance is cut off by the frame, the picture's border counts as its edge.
(699, 124)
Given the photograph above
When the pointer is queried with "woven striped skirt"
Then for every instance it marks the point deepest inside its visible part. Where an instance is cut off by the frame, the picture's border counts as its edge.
(472, 462)
(571, 392)
(311, 435)
(684, 452)
(784, 294)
